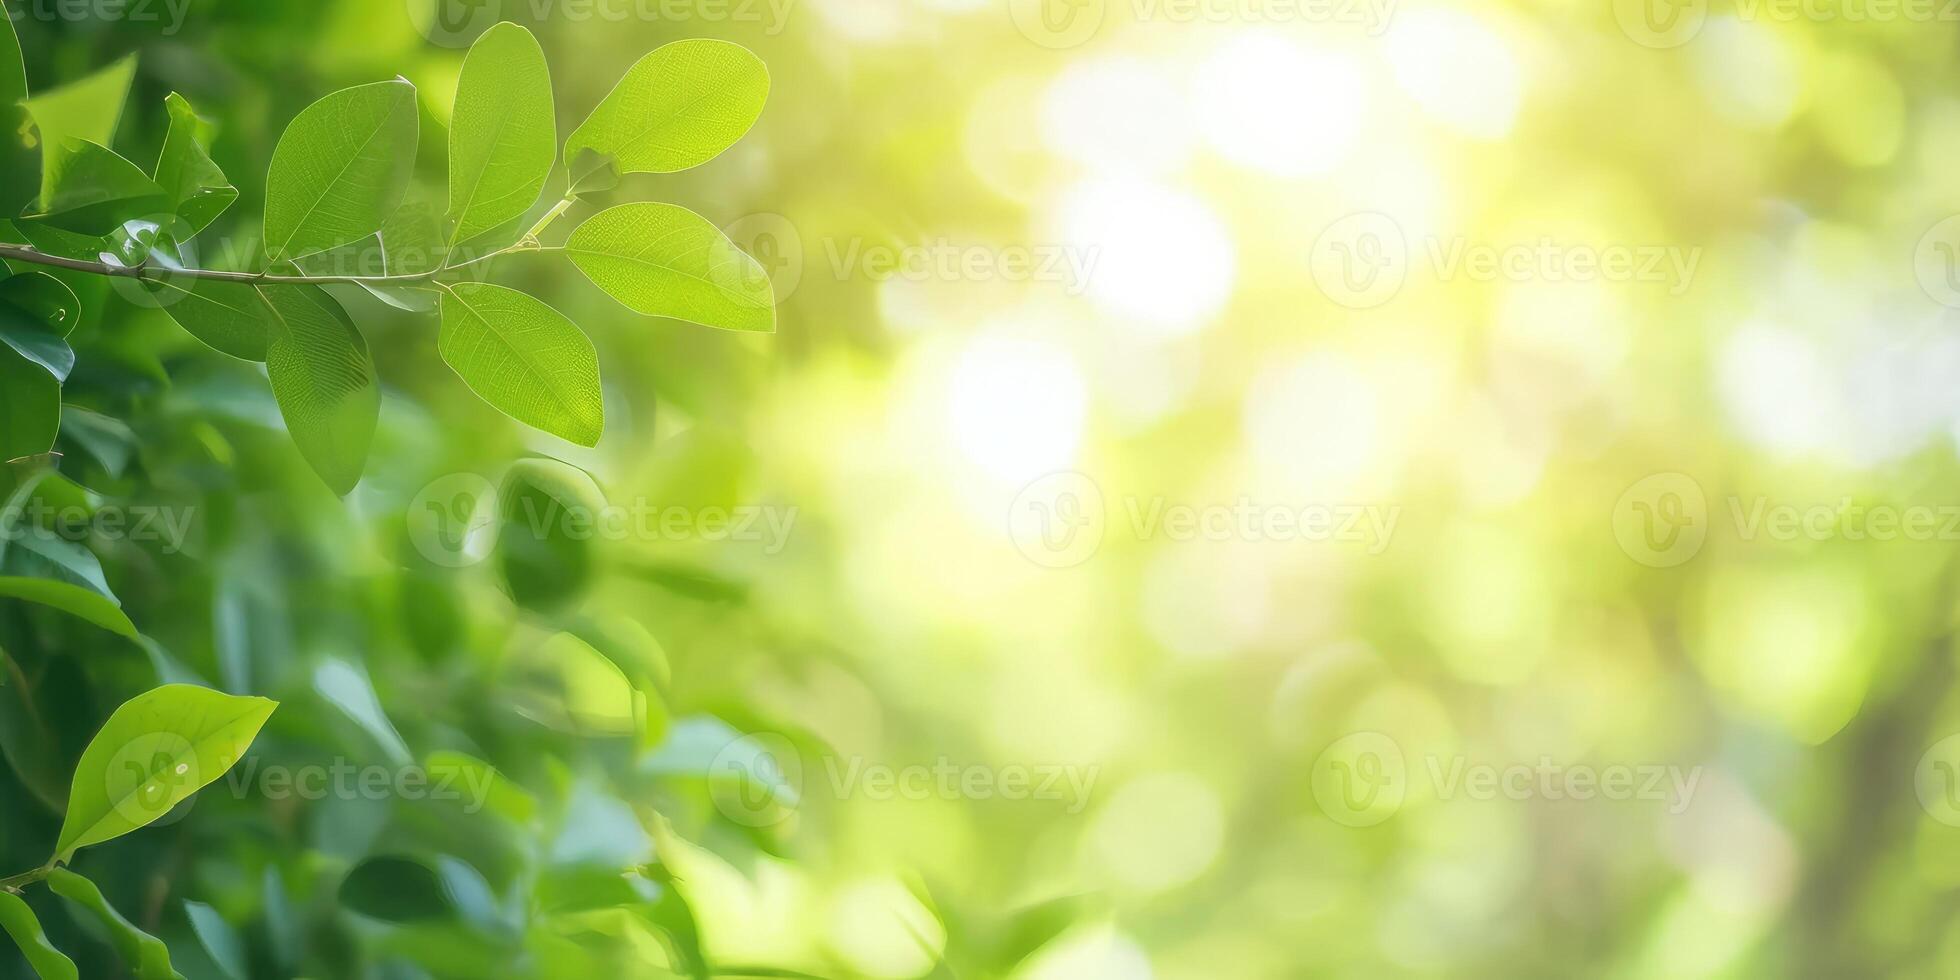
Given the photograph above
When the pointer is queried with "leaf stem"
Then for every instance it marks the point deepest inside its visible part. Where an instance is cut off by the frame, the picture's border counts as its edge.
(145, 272)
(25, 878)
(550, 216)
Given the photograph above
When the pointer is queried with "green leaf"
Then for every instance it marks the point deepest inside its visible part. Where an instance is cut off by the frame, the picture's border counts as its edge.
(324, 381)
(396, 889)
(30, 407)
(89, 189)
(85, 604)
(36, 313)
(503, 136)
(220, 941)
(143, 953)
(663, 260)
(565, 685)
(195, 189)
(25, 928)
(524, 358)
(89, 110)
(18, 161)
(152, 754)
(341, 168)
(679, 107)
(44, 297)
(228, 317)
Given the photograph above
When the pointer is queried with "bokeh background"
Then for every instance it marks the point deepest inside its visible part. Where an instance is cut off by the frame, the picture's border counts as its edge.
(1050, 276)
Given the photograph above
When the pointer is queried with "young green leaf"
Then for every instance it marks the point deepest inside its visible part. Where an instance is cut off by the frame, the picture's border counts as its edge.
(89, 189)
(228, 317)
(153, 753)
(84, 604)
(25, 928)
(30, 407)
(663, 260)
(503, 136)
(524, 358)
(340, 169)
(144, 954)
(679, 107)
(324, 381)
(195, 189)
(89, 109)
(36, 312)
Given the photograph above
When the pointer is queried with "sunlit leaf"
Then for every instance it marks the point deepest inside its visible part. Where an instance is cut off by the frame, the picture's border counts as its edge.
(156, 750)
(524, 358)
(340, 169)
(88, 189)
(88, 109)
(678, 107)
(663, 260)
(85, 604)
(503, 136)
(195, 189)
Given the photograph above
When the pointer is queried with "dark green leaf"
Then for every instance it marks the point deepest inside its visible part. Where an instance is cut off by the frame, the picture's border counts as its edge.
(30, 406)
(324, 380)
